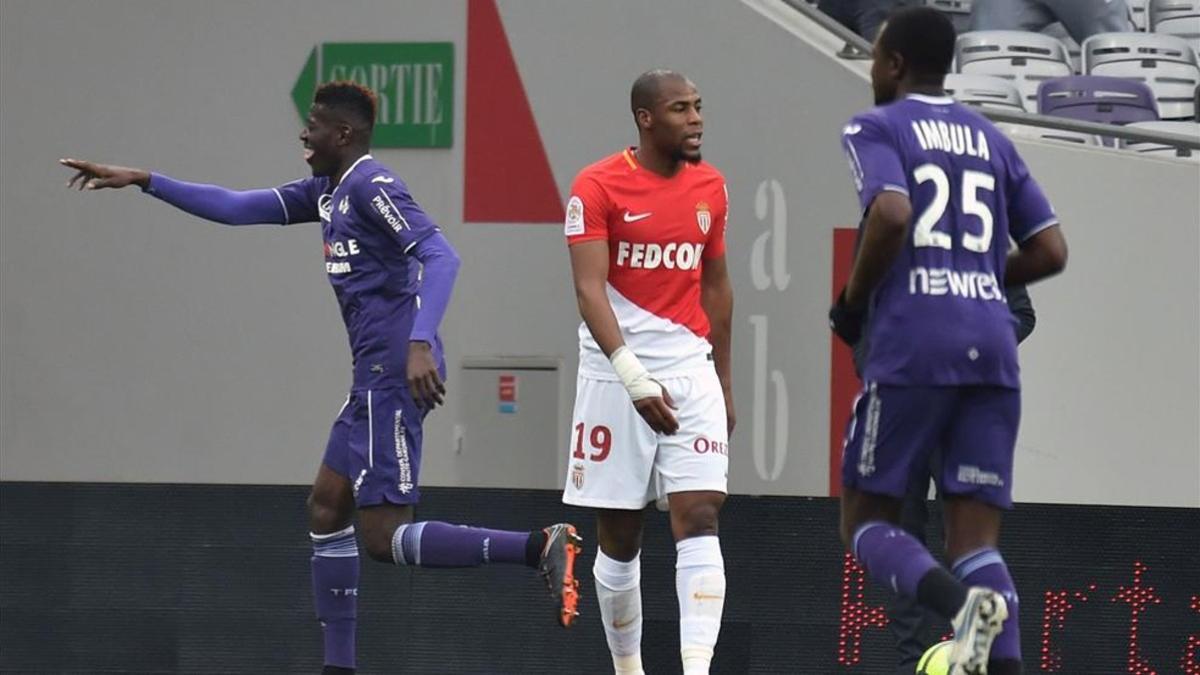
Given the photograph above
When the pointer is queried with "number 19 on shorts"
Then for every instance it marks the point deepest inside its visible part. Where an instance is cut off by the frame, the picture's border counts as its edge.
(599, 442)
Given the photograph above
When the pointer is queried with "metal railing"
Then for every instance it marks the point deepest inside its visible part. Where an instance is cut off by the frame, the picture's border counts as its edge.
(862, 49)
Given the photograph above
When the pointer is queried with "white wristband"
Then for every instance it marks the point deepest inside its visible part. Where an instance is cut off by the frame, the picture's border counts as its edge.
(634, 375)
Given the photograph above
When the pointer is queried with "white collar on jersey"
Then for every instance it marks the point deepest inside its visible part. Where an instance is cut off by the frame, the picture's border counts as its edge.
(931, 100)
(356, 163)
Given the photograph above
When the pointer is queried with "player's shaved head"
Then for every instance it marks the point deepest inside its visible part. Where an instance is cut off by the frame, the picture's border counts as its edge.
(666, 110)
(349, 101)
(924, 37)
(647, 88)
(914, 50)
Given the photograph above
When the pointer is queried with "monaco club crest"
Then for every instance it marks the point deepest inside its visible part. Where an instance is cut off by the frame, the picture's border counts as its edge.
(703, 217)
(577, 476)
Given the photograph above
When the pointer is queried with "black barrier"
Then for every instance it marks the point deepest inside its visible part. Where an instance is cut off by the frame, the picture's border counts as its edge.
(207, 578)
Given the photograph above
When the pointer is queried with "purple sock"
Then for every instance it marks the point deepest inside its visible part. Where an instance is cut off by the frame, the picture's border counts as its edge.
(986, 568)
(434, 544)
(335, 593)
(892, 556)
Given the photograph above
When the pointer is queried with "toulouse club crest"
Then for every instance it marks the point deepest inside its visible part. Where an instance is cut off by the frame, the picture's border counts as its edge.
(703, 217)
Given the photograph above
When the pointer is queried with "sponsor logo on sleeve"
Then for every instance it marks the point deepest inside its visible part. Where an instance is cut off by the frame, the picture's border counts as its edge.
(574, 224)
(384, 207)
(856, 170)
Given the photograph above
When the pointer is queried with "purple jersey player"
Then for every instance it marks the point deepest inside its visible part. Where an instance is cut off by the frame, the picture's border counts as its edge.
(392, 272)
(943, 193)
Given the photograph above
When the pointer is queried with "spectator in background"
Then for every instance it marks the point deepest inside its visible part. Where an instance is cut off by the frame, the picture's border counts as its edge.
(861, 16)
(1080, 18)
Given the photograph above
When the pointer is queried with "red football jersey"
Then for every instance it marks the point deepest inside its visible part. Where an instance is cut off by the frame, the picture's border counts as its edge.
(659, 232)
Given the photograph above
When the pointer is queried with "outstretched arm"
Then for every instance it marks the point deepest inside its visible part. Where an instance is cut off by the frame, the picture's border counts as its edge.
(231, 207)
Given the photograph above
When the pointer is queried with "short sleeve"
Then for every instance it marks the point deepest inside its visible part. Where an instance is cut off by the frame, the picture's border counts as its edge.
(715, 246)
(390, 205)
(299, 200)
(588, 209)
(874, 159)
(1029, 212)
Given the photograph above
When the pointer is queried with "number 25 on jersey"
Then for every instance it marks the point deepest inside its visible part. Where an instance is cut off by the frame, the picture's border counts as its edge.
(972, 182)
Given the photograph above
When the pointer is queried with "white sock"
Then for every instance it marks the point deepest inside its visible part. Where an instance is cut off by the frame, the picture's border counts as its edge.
(700, 584)
(619, 592)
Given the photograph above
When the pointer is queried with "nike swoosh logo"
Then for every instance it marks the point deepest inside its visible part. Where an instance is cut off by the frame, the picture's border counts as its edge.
(705, 596)
(621, 624)
(383, 179)
(630, 218)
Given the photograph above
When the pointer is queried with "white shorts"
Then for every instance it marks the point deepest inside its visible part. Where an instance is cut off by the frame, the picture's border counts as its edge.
(617, 462)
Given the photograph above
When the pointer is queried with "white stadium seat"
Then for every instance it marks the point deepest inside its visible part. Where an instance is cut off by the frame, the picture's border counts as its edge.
(1074, 52)
(1137, 13)
(984, 91)
(1026, 59)
(1159, 149)
(1165, 63)
(1176, 17)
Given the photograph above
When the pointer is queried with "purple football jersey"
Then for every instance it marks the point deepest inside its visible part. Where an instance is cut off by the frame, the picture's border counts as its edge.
(370, 223)
(939, 316)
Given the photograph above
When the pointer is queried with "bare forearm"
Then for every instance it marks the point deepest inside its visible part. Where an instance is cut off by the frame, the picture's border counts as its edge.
(1026, 267)
(879, 249)
(597, 313)
(1043, 255)
(718, 305)
(882, 240)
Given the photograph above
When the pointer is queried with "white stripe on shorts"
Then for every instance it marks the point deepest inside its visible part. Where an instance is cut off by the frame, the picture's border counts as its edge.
(370, 433)
(866, 456)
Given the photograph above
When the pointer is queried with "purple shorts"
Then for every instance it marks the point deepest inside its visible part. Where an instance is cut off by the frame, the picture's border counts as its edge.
(376, 443)
(893, 430)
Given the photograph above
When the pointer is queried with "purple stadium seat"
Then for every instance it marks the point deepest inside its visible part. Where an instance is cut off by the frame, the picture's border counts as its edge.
(1095, 98)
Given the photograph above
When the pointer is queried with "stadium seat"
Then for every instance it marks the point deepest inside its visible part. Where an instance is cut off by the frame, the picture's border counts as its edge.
(1074, 52)
(1165, 63)
(1159, 149)
(1176, 17)
(985, 91)
(1109, 100)
(1047, 134)
(1024, 58)
(1137, 14)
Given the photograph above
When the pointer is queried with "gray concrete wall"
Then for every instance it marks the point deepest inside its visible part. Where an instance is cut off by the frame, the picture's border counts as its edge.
(139, 344)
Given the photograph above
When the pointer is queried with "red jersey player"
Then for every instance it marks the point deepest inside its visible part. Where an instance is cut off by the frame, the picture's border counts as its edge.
(653, 405)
